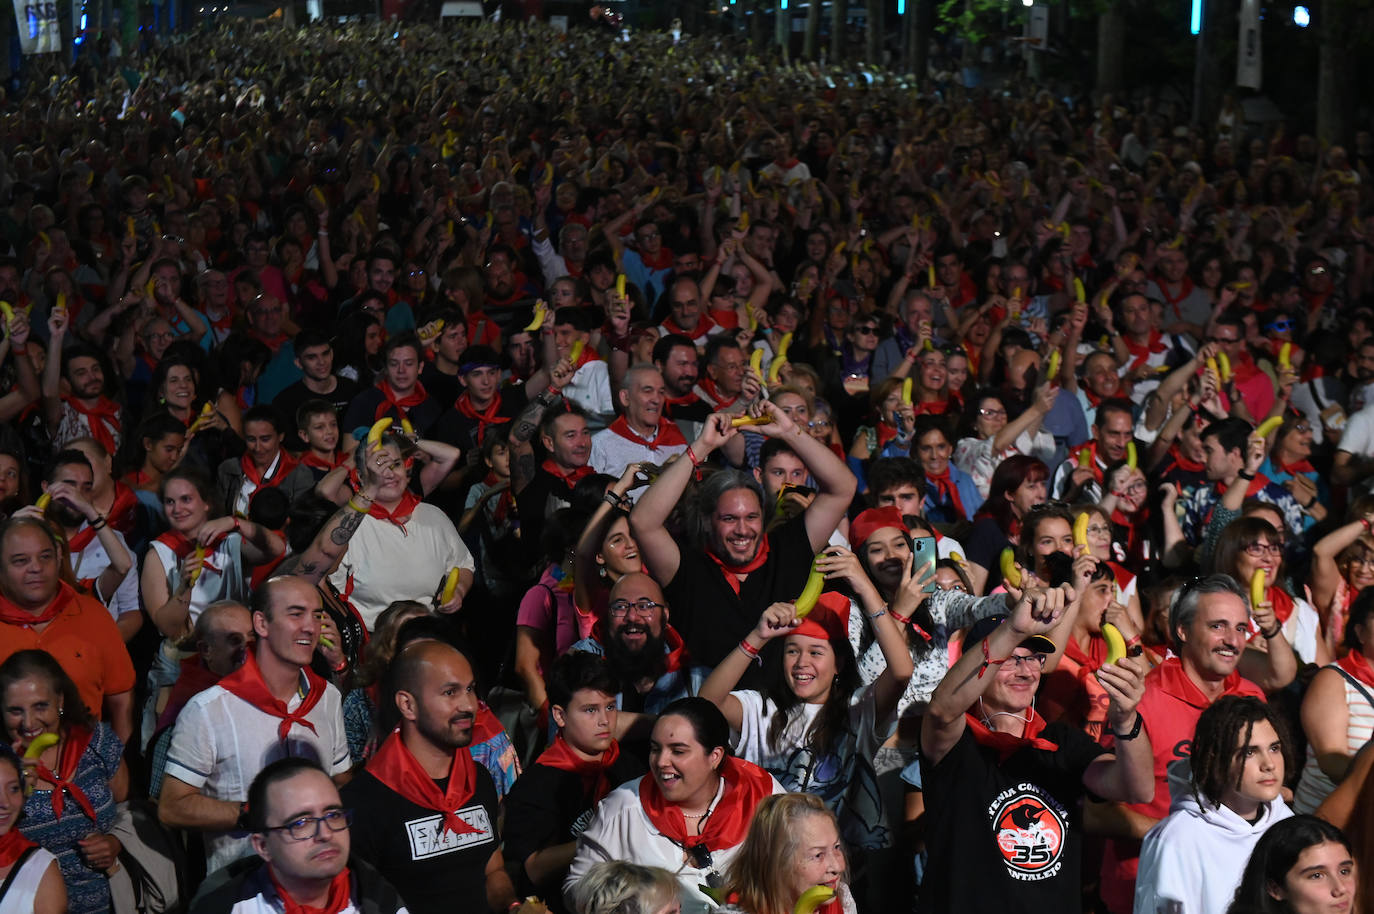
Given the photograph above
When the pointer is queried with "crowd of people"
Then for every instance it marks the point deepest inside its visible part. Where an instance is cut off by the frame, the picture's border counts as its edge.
(639, 476)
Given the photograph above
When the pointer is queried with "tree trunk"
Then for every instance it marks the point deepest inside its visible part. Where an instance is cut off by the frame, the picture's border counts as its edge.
(1111, 49)
(873, 32)
(838, 9)
(1334, 72)
(813, 27)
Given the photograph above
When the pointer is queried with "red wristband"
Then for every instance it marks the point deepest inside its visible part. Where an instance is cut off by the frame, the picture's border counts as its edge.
(696, 464)
(988, 660)
(748, 648)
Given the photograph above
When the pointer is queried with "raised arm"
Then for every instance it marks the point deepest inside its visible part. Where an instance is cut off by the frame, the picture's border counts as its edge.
(835, 484)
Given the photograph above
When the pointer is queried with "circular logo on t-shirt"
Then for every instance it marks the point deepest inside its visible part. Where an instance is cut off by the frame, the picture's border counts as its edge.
(1030, 835)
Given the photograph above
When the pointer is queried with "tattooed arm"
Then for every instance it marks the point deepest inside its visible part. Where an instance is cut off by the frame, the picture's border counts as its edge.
(332, 541)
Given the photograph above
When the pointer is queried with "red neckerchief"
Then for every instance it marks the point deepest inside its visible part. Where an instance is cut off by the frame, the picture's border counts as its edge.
(74, 743)
(1091, 447)
(686, 399)
(400, 515)
(1008, 744)
(489, 416)
(661, 261)
(1254, 488)
(1243, 368)
(1143, 351)
(395, 766)
(402, 404)
(974, 354)
(1092, 659)
(311, 459)
(936, 407)
(570, 478)
(715, 395)
(730, 571)
(122, 510)
(285, 464)
(668, 434)
(78, 543)
(11, 614)
(1175, 682)
(12, 846)
(677, 650)
(1283, 604)
(1301, 468)
(1092, 398)
(1356, 665)
(704, 326)
(504, 501)
(273, 342)
(885, 432)
(195, 677)
(102, 418)
(246, 683)
(944, 486)
(595, 783)
(339, 898)
(182, 547)
(746, 785)
(1186, 289)
(1183, 463)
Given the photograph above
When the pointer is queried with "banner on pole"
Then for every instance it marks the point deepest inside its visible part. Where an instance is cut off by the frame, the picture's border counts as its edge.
(38, 30)
(1249, 65)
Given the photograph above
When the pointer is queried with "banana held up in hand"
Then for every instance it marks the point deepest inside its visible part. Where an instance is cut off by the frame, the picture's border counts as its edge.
(1116, 644)
(374, 434)
(812, 899)
(815, 583)
(1010, 573)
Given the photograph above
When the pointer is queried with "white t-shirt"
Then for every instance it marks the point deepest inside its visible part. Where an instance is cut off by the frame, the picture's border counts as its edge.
(612, 453)
(590, 388)
(221, 742)
(387, 563)
(91, 562)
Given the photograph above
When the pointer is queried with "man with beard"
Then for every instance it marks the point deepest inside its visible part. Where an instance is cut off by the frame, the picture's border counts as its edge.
(675, 356)
(85, 411)
(642, 434)
(555, 797)
(645, 654)
(425, 811)
(506, 284)
(685, 314)
(381, 278)
(731, 570)
(100, 558)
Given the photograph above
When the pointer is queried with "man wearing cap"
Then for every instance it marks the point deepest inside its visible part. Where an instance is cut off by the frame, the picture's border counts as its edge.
(484, 403)
(1002, 787)
(642, 434)
(1217, 653)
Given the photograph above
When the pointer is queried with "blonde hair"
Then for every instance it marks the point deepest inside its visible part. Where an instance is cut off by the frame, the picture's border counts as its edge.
(760, 873)
(620, 887)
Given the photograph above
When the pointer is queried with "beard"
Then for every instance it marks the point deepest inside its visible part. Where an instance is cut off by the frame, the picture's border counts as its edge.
(67, 517)
(441, 734)
(634, 664)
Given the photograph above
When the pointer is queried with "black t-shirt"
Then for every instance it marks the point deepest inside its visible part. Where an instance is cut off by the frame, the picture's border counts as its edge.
(547, 807)
(362, 410)
(407, 843)
(294, 397)
(443, 387)
(713, 619)
(461, 431)
(536, 503)
(1010, 836)
(985, 543)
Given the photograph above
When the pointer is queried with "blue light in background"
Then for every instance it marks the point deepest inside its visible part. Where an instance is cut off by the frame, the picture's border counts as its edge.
(1195, 24)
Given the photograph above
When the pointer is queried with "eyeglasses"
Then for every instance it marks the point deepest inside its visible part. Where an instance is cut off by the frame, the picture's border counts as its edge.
(1259, 550)
(1099, 530)
(647, 236)
(308, 827)
(867, 331)
(621, 608)
(1032, 661)
(992, 413)
(1280, 326)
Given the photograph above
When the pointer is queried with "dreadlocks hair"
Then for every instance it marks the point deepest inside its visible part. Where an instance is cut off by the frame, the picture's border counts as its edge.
(1222, 731)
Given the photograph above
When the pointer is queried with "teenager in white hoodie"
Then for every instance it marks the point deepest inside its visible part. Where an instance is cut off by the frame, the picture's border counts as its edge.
(1191, 862)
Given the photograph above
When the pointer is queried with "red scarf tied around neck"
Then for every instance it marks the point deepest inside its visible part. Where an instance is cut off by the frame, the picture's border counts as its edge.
(12, 846)
(484, 418)
(746, 785)
(74, 743)
(12, 614)
(946, 489)
(402, 405)
(247, 683)
(395, 766)
(1007, 744)
(340, 895)
(102, 418)
(595, 783)
(667, 435)
(400, 515)
(285, 464)
(1357, 665)
(730, 571)
(571, 478)
(182, 547)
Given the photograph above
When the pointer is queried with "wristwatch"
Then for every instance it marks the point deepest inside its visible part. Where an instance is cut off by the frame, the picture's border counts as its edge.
(1135, 731)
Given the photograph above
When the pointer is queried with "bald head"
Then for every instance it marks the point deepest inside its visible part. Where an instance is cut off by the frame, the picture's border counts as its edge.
(435, 693)
(634, 586)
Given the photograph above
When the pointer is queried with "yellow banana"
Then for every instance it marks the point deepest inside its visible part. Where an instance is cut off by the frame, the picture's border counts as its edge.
(7, 310)
(61, 303)
(44, 240)
(575, 352)
(812, 899)
(1052, 370)
(739, 421)
(43, 501)
(743, 224)
(200, 556)
(541, 311)
(374, 434)
(1224, 361)
(1268, 425)
(318, 196)
(547, 179)
(1258, 585)
(1010, 573)
(1080, 529)
(756, 362)
(930, 276)
(130, 226)
(40, 744)
(784, 344)
(1116, 644)
(906, 391)
(1085, 459)
(1079, 294)
(1286, 355)
(1212, 367)
(815, 583)
(1131, 456)
(775, 368)
(407, 427)
(450, 586)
